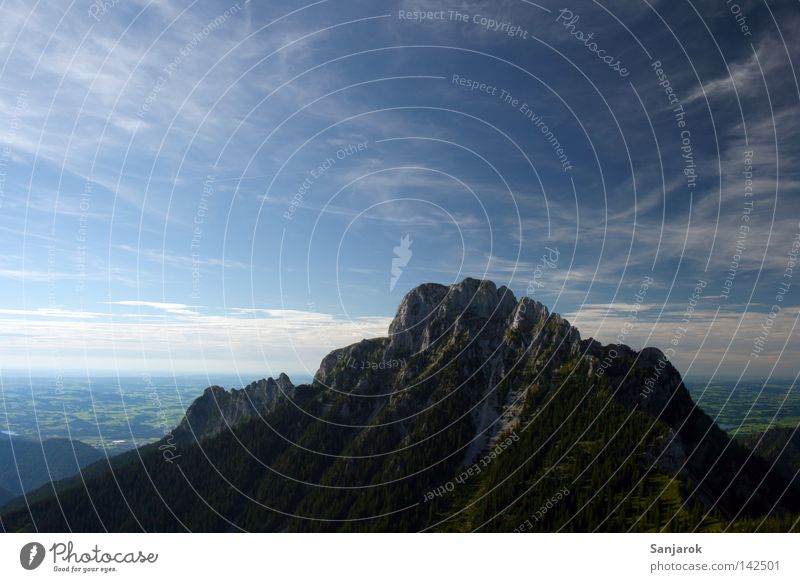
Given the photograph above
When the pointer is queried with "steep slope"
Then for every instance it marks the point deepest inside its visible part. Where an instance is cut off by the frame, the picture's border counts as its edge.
(218, 409)
(5, 496)
(26, 464)
(477, 412)
(779, 446)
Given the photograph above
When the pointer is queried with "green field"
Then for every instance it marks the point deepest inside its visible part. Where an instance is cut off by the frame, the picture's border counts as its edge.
(110, 413)
(749, 408)
(120, 414)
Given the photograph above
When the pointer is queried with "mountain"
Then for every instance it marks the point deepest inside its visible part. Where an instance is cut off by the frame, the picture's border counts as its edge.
(5, 496)
(26, 464)
(218, 409)
(477, 412)
(779, 446)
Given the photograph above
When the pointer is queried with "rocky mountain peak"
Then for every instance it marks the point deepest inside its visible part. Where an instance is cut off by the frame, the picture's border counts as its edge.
(527, 314)
(218, 409)
(430, 312)
(467, 374)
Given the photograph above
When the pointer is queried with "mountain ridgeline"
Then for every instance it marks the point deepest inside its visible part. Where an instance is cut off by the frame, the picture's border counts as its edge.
(26, 464)
(479, 412)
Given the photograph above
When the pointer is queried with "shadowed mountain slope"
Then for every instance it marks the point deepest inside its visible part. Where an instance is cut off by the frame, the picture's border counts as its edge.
(478, 412)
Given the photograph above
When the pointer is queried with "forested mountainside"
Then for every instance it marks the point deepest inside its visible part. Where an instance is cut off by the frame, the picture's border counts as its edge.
(478, 412)
(779, 446)
(26, 464)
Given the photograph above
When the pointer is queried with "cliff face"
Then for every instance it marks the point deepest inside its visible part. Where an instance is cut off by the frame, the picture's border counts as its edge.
(503, 355)
(218, 409)
(471, 414)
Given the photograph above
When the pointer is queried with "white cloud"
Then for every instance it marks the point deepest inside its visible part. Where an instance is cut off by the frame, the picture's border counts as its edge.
(257, 341)
(711, 341)
(172, 308)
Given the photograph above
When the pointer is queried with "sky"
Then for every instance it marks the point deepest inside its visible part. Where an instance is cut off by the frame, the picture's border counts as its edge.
(216, 187)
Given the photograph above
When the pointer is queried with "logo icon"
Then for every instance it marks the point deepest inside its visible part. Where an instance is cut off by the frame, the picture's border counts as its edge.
(31, 555)
(402, 254)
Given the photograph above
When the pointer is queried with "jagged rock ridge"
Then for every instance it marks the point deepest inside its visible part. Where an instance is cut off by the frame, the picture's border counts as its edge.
(464, 369)
(219, 409)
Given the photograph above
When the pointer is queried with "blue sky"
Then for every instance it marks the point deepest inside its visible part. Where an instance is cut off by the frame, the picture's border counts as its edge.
(193, 187)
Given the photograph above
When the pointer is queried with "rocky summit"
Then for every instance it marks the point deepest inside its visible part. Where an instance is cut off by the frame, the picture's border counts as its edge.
(219, 409)
(478, 411)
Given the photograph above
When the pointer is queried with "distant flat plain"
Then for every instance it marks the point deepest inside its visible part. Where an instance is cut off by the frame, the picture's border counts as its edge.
(748, 408)
(117, 414)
